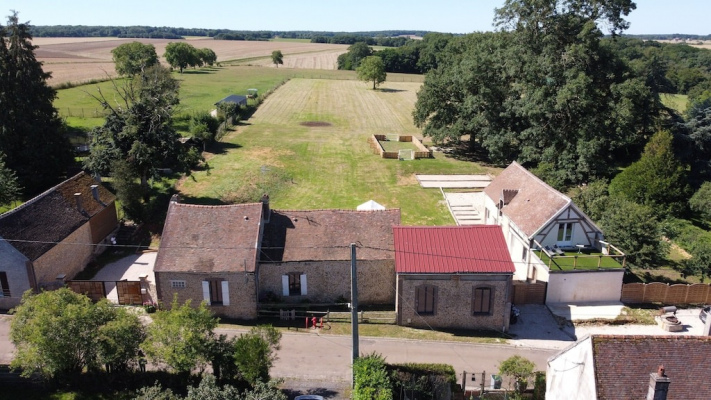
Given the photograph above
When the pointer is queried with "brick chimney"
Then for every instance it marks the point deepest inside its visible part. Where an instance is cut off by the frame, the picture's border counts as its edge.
(658, 385)
(266, 211)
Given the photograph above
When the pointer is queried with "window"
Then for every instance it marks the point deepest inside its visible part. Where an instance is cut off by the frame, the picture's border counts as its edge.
(426, 299)
(565, 232)
(524, 253)
(482, 301)
(293, 284)
(177, 284)
(4, 287)
(216, 292)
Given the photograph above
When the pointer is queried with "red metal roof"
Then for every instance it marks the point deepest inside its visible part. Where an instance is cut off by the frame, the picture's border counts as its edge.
(451, 249)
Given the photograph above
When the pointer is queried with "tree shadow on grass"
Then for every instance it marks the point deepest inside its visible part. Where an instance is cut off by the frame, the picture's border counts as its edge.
(221, 147)
(388, 90)
(202, 200)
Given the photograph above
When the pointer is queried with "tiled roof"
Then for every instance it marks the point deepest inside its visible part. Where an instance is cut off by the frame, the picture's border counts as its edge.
(533, 205)
(325, 235)
(623, 365)
(451, 249)
(209, 238)
(53, 215)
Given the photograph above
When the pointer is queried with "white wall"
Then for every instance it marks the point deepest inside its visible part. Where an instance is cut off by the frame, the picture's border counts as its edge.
(571, 373)
(13, 263)
(585, 286)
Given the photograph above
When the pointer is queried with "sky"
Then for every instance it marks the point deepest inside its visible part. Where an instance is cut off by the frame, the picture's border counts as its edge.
(455, 16)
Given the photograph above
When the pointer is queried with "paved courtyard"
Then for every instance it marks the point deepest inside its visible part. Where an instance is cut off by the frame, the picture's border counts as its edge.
(130, 268)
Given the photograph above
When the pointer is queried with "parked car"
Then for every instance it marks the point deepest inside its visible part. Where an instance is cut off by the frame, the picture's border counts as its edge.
(308, 397)
(704, 313)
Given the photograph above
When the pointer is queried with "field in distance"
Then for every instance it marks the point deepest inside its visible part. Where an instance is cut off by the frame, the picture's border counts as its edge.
(79, 60)
(307, 146)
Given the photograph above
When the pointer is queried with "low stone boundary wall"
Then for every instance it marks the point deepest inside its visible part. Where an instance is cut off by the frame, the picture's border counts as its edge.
(657, 292)
(422, 150)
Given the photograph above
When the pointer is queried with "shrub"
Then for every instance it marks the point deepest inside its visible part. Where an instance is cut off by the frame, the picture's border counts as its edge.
(371, 379)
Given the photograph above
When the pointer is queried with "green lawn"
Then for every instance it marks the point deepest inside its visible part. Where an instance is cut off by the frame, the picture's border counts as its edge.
(678, 102)
(575, 261)
(333, 166)
(391, 145)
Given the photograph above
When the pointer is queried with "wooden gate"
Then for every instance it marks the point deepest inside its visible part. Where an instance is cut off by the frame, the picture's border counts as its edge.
(529, 293)
(129, 293)
(91, 289)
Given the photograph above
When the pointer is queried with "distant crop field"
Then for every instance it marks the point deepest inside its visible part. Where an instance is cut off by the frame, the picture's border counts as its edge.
(307, 146)
(79, 60)
(702, 44)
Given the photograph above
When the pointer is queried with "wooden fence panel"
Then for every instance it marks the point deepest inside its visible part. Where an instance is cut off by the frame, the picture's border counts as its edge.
(633, 293)
(697, 293)
(676, 294)
(529, 293)
(655, 292)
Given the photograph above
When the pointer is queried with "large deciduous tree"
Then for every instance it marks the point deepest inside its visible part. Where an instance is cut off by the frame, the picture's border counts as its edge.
(181, 55)
(139, 129)
(133, 58)
(31, 132)
(277, 58)
(180, 337)
(372, 69)
(545, 89)
(207, 56)
(635, 230)
(657, 180)
(60, 332)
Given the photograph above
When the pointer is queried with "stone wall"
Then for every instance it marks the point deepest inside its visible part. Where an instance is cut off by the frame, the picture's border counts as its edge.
(66, 258)
(327, 281)
(454, 298)
(103, 223)
(242, 292)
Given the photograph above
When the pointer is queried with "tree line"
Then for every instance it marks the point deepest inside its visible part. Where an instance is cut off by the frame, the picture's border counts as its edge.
(379, 38)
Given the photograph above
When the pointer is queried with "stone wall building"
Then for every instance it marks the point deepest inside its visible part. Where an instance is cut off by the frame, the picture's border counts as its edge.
(306, 256)
(50, 238)
(453, 277)
(233, 256)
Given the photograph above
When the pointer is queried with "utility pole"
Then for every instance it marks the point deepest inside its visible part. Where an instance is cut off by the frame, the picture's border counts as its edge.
(354, 304)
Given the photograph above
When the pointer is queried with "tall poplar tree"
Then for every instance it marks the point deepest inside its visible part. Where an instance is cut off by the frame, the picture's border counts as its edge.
(31, 132)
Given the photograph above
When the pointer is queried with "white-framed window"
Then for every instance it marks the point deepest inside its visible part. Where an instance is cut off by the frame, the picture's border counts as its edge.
(565, 232)
(293, 284)
(216, 292)
(178, 284)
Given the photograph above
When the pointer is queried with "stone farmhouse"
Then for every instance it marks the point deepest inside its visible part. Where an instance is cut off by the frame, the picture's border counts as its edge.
(235, 256)
(630, 367)
(50, 238)
(540, 223)
(453, 277)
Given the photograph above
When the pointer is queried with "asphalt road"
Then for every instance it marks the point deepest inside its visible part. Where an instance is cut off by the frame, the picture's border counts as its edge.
(314, 357)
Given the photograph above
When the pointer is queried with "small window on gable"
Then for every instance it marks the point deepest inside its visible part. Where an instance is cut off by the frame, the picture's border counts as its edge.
(426, 299)
(481, 301)
(524, 254)
(178, 284)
